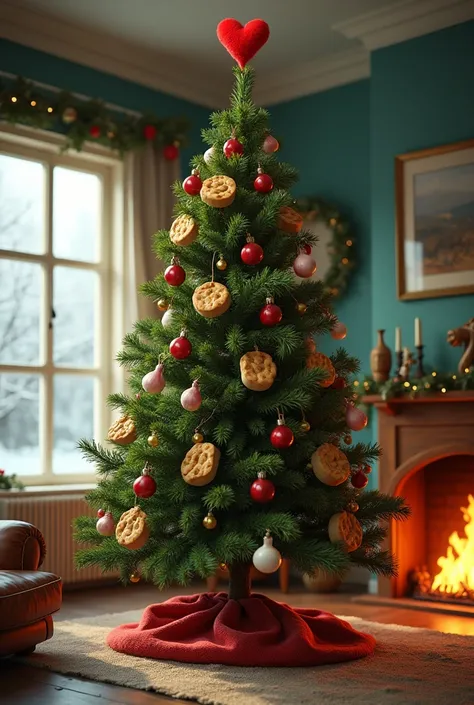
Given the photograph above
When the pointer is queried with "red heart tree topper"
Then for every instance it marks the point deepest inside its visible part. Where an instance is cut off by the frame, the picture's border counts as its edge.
(242, 43)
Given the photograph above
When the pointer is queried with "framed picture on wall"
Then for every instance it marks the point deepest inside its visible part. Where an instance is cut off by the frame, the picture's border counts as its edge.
(435, 221)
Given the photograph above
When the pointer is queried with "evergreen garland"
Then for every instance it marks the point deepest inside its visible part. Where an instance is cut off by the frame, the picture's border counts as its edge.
(431, 384)
(23, 102)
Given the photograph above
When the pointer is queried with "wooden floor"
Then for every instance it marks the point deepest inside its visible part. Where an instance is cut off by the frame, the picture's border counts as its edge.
(24, 685)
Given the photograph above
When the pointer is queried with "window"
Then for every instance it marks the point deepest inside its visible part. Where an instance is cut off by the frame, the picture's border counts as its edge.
(55, 315)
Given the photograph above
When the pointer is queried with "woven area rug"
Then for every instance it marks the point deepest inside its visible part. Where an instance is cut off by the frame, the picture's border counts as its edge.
(410, 666)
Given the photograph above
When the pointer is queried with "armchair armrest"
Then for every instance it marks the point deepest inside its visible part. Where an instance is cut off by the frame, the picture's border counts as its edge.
(22, 546)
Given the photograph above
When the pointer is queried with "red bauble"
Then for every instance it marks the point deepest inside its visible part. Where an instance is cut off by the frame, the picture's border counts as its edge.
(95, 131)
(251, 253)
(282, 436)
(180, 347)
(270, 315)
(170, 152)
(367, 469)
(192, 184)
(144, 486)
(233, 146)
(149, 132)
(307, 249)
(101, 513)
(339, 383)
(263, 183)
(359, 480)
(262, 490)
(174, 275)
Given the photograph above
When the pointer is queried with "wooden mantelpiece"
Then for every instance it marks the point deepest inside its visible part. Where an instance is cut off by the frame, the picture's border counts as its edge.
(394, 405)
(416, 435)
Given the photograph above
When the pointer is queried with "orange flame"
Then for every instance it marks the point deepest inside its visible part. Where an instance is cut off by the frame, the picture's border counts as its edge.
(456, 576)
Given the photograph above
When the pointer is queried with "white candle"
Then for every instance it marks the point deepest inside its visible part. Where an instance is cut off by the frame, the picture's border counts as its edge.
(398, 339)
(418, 332)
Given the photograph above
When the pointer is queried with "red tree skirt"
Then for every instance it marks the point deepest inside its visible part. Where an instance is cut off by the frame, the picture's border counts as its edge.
(255, 631)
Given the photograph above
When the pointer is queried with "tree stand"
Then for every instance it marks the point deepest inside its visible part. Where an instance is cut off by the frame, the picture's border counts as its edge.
(240, 629)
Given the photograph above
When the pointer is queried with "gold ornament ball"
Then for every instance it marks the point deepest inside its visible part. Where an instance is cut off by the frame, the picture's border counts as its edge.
(209, 522)
(153, 440)
(110, 134)
(134, 578)
(221, 264)
(222, 566)
(353, 507)
(348, 439)
(304, 425)
(301, 308)
(163, 304)
(198, 438)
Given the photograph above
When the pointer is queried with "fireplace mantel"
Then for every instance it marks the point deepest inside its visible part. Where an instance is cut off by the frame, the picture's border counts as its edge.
(414, 434)
(394, 405)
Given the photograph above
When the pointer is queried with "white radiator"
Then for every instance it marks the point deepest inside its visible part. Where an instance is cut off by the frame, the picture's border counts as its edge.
(53, 515)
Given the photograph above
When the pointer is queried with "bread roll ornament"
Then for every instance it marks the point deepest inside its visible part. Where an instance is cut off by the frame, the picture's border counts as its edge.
(344, 527)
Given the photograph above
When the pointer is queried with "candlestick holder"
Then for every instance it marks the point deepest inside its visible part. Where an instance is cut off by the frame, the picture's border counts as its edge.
(399, 354)
(420, 372)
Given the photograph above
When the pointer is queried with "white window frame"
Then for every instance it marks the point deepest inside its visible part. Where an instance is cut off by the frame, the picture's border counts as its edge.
(42, 146)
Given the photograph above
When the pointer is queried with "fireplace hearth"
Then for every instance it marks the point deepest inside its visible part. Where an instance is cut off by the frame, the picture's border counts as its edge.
(428, 458)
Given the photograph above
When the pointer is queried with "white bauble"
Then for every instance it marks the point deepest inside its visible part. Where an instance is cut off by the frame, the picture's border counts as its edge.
(267, 559)
(208, 154)
(167, 318)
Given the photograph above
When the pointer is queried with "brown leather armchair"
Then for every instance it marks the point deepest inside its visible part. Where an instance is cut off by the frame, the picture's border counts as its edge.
(28, 597)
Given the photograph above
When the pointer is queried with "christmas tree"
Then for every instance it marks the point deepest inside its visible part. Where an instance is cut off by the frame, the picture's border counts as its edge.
(236, 429)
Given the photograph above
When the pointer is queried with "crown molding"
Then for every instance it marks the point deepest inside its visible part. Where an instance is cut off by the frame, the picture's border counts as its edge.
(312, 77)
(24, 25)
(405, 20)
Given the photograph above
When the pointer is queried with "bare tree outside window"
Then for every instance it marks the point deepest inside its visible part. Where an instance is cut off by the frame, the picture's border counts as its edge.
(24, 319)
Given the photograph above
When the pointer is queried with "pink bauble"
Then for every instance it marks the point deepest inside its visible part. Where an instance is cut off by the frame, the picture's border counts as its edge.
(106, 525)
(154, 382)
(191, 398)
(356, 420)
(304, 265)
(339, 331)
(270, 144)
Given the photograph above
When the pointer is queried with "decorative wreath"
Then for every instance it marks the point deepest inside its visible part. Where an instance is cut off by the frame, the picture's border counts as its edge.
(26, 103)
(342, 245)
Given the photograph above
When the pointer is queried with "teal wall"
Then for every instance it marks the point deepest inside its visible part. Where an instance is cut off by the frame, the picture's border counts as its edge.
(67, 75)
(421, 96)
(327, 137)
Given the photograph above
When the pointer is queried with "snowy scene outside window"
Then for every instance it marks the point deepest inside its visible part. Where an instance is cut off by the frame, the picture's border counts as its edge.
(52, 278)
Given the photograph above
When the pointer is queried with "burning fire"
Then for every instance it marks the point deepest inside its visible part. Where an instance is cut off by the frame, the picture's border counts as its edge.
(456, 576)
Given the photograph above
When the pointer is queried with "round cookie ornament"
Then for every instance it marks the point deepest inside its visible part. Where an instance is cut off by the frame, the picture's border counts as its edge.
(218, 191)
(132, 530)
(289, 220)
(317, 359)
(184, 231)
(211, 299)
(257, 370)
(200, 463)
(122, 431)
(344, 527)
(330, 465)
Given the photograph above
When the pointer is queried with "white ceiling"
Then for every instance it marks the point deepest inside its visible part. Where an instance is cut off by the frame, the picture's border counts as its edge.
(171, 45)
(186, 29)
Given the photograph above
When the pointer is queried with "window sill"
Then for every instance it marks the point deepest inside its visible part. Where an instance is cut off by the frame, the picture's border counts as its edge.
(47, 490)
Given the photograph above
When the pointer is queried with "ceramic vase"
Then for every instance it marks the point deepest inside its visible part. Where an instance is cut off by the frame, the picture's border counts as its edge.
(380, 359)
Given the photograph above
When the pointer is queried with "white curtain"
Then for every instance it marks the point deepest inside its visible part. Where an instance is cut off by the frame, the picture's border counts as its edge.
(148, 207)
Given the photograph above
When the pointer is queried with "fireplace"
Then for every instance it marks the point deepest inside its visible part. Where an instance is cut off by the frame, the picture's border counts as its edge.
(428, 458)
